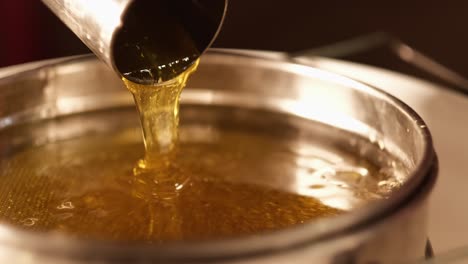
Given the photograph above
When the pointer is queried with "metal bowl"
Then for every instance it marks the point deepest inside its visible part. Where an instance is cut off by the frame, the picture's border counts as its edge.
(386, 231)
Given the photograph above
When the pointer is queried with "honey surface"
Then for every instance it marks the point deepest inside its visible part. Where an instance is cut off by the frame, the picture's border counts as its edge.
(87, 187)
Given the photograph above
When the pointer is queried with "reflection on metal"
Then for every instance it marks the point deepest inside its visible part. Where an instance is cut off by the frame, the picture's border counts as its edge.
(348, 47)
(400, 49)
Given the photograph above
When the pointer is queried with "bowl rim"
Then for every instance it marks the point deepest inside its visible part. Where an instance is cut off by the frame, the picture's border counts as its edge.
(284, 240)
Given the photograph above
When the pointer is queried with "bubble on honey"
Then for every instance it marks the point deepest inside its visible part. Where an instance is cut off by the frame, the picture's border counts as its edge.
(29, 221)
(389, 185)
(66, 205)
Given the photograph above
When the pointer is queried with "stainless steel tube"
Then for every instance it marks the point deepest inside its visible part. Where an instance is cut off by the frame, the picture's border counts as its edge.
(142, 39)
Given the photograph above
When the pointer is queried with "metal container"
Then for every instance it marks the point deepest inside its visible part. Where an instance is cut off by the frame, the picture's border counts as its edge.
(388, 231)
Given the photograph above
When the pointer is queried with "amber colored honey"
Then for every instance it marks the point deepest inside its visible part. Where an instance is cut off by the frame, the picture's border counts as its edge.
(87, 187)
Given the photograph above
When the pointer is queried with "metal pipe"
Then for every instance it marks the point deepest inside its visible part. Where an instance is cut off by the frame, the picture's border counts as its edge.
(144, 40)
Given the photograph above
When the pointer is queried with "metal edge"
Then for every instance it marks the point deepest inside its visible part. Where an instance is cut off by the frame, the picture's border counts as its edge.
(215, 246)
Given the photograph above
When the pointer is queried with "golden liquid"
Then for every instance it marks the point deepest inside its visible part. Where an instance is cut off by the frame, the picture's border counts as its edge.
(86, 187)
(158, 107)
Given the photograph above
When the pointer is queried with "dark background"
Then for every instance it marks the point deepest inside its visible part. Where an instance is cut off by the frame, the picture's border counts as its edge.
(29, 31)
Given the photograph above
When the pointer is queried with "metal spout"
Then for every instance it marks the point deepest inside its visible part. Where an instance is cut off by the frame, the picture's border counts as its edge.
(145, 41)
